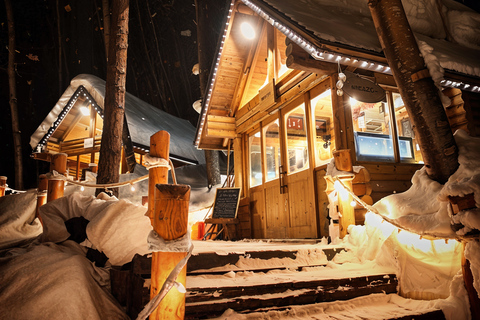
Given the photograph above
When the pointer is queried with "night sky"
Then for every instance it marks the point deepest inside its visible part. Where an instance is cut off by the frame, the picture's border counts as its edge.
(162, 51)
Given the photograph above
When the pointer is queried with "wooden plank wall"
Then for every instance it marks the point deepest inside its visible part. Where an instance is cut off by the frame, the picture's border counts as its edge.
(386, 179)
(244, 228)
(472, 107)
(457, 116)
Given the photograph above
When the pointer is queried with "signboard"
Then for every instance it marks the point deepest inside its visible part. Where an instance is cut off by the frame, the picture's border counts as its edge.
(88, 143)
(266, 95)
(362, 89)
(226, 203)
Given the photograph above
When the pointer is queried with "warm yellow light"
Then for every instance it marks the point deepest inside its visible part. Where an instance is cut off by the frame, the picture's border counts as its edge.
(353, 203)
(353, 101)
(85, 111)
(247, 30)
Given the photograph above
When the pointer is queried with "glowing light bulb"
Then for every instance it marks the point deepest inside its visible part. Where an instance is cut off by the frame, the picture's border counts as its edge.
(247, 30)
(132, 188)
(353, 203)
(82, 188)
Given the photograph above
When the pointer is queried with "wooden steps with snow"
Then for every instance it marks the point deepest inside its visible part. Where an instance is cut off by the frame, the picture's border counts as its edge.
(203, 302)
(214, 263)
(372, 307)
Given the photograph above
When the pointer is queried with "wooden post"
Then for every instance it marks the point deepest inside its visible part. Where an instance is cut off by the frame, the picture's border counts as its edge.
(3, 185)
(41, 193)
(56, 186)
(59, 163)
(159, 148)
(170, 221)
(347, 212)
(458, 204)
(343, 162)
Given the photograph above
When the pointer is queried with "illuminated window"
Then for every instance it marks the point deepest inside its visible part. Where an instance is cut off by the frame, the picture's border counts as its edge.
(324, 134)
(272, 150)
(373, 129)
(297, 147)
(254, 145)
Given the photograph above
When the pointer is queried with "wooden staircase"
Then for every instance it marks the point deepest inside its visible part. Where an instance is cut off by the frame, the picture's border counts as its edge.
(279, 280)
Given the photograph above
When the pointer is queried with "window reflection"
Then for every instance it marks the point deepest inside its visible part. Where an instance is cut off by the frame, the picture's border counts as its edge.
(297, 148)
(324, 133)
(254, 143)
(409, 149)
(272, 150)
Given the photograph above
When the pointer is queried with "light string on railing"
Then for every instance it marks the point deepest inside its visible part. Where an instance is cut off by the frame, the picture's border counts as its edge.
(150, 162)
(338, 183)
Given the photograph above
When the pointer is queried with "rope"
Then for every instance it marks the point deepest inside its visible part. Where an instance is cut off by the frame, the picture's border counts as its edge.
(427, 235)
(150, 162)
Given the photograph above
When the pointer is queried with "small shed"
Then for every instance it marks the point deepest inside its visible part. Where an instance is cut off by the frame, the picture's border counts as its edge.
(74, 126)
(273, 99)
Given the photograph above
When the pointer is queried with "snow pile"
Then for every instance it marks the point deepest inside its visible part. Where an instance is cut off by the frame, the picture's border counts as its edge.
(118, 228)
(425, 209)
(17, 219)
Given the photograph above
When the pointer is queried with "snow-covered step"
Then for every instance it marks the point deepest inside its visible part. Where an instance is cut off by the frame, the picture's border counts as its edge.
(372, 307)
(259, 261)
(290, 288)
(259, 256)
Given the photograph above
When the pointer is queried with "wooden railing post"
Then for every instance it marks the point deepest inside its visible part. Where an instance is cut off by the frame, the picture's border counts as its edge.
(3, 185)
(343, 162)
(41, 193)
(56, 186)
(170, 221)
(159, 148)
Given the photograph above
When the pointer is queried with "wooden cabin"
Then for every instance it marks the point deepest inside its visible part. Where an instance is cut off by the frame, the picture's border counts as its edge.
(74, 126)
(274, 100)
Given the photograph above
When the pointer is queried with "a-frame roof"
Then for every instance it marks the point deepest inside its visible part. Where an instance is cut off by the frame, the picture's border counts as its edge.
(143, 121)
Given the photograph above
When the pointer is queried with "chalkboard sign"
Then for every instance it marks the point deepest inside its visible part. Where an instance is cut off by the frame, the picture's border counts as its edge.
(226, 203)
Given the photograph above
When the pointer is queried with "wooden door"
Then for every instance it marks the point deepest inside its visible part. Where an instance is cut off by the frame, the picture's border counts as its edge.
(276, 205)
(298, 176)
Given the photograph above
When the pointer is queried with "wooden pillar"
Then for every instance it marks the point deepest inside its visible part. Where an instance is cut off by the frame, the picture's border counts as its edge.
(41, 193)
(159, 148)
(59, 163)
(343, 162)
(77, 174)
(3, 185)
(468, 282)
(170, 221)
(93, 167)
(458, 204)
(56, 186)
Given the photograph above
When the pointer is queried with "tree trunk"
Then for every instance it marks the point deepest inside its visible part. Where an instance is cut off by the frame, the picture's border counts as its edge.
(114, 106)
(106, 25)
(418, 91)
(17, 138)
(205, 58)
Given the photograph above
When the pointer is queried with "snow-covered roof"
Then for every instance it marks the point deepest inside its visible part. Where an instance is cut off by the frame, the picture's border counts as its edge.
(143, 120)
(349, 23)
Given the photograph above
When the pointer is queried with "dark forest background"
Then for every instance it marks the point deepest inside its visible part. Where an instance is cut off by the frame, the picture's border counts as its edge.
(162, 51)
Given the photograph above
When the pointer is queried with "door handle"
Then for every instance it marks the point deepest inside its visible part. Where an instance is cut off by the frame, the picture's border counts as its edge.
(282, 179)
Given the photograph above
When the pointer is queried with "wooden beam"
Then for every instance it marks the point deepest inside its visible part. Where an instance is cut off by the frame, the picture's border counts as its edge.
(299, 59)
(219, 133)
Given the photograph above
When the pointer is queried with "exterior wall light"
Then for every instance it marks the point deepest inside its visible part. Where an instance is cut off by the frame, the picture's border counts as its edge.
(247, 30)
